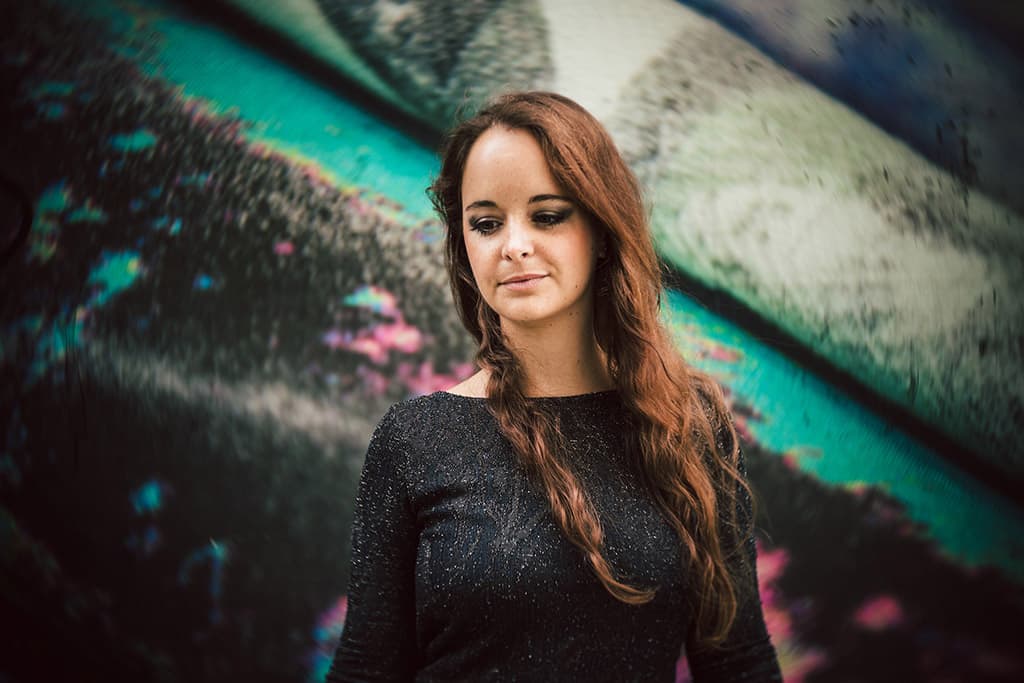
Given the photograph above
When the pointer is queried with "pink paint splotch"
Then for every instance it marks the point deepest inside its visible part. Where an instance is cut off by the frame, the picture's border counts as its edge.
(377, 341)
(879, 613)
(795, 660)
(388, 343)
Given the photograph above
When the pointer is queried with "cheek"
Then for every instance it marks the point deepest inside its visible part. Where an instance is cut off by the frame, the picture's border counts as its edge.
(584, 252)
(476, 256)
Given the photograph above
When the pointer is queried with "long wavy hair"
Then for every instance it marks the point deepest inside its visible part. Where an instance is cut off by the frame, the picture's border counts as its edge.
(683, 442)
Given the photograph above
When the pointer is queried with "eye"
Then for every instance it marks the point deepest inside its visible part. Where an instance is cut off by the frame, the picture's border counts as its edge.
(552, 217)
(485, 226)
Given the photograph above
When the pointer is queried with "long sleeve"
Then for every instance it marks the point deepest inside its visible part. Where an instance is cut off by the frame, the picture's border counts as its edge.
(747, 653)
(378, 642)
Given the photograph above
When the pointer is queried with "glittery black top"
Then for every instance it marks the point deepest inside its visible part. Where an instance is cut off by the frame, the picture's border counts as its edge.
(460, 573)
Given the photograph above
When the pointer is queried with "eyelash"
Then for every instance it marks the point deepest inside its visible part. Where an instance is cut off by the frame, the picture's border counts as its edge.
(546, 219)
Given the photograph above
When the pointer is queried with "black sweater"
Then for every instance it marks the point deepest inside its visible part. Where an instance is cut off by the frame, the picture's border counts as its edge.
(460, 573)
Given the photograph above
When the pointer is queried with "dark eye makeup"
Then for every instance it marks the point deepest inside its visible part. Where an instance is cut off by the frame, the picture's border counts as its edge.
(547, 218)
(484, 225)
(552, 217)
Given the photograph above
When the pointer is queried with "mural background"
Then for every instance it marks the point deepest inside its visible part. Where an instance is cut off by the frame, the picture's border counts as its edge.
(220, 269)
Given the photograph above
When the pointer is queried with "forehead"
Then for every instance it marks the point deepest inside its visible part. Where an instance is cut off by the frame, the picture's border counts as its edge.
(506, 164)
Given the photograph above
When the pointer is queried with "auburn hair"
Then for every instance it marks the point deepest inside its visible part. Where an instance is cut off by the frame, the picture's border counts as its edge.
(683, 442)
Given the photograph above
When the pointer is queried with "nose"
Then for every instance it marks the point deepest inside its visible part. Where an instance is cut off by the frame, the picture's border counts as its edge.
(518, 240)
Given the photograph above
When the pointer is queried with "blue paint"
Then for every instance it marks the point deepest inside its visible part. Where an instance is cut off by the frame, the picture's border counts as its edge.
(146, 542)
(203, 282)
(217, 555)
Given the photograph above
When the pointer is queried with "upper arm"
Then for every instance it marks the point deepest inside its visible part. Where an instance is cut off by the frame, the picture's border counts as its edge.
(379, 641)
(747, 653)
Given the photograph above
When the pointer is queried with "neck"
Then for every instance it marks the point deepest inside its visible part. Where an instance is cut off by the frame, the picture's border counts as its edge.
(558, 360)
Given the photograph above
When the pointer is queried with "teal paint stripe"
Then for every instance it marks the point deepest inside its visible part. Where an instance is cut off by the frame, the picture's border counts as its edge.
(284, 110)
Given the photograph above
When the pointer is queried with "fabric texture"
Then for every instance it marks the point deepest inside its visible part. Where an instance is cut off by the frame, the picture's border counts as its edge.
(460, 573)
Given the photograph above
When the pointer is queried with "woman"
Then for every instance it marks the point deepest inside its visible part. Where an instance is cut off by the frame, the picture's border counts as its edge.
(576, 510)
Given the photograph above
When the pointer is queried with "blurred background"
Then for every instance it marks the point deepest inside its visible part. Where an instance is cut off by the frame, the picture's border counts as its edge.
(219, 268)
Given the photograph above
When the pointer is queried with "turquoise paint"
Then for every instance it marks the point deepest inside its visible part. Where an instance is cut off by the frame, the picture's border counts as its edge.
(51, 341)
(52, 110)
(842, 444)
(148, 498)
(165, 222)
(53, 200)
(283, 109)
(135, 141)
(115, 272)
(203, 282)
(53, 344)
(53, 89)
(87, 214)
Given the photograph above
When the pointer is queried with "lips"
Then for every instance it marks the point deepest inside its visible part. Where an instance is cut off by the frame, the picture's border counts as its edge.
(525, 277)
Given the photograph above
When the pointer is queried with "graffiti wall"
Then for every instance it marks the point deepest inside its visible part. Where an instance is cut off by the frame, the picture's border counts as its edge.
(220, 268)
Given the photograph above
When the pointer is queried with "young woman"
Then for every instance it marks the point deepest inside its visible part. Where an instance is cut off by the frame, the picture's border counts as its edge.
(577, 509)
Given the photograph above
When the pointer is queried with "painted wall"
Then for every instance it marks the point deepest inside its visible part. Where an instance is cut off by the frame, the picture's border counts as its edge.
(230, 271)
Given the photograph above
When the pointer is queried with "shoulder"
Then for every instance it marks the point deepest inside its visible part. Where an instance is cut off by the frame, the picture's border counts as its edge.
(425, 421)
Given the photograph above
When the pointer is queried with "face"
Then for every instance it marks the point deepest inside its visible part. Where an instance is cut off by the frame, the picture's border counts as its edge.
(531, 249)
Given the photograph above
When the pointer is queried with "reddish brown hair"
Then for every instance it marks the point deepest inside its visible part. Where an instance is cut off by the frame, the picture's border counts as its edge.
(683, 441)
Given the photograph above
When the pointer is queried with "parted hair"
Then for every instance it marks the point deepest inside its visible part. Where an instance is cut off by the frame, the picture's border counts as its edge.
(682, 440)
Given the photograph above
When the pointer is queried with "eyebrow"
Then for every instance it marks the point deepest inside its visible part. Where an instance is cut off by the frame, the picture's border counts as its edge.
(487, 203)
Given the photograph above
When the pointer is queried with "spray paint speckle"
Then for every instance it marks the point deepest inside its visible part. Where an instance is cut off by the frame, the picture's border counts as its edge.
(149, 498)
(133, 142)
(116, 272)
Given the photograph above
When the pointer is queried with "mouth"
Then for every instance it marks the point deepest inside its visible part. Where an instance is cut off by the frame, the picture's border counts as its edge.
(522, 279)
